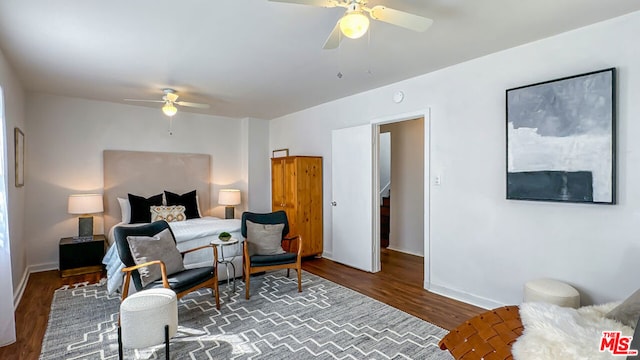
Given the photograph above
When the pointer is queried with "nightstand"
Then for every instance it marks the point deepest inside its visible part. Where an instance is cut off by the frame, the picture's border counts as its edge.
(81, 255)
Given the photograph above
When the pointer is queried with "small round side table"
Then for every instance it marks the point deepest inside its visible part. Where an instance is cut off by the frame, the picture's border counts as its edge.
(227, 261)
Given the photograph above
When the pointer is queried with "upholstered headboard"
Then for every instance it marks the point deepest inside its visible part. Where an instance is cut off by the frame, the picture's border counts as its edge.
(150, 173)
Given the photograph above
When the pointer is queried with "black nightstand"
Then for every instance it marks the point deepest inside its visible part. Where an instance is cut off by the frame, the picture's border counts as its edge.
(81, 255)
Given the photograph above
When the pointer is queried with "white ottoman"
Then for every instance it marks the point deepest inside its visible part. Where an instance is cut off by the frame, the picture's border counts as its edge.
(551, 291)
(147, 318)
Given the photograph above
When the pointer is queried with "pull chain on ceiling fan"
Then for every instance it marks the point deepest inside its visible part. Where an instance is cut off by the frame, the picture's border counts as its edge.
(355, 23)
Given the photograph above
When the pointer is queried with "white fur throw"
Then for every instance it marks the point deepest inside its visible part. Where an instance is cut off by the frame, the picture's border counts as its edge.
(553, 332)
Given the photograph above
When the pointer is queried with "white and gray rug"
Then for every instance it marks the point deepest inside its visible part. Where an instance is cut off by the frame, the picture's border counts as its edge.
(325, 321)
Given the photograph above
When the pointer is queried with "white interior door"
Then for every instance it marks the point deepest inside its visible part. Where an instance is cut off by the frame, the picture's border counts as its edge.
(352, 185)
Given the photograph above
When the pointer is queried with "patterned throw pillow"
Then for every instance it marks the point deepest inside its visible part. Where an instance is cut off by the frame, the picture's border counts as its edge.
(161, 246)
(168, 213)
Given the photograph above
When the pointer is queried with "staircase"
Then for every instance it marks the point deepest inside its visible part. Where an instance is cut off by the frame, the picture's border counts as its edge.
(385, 208)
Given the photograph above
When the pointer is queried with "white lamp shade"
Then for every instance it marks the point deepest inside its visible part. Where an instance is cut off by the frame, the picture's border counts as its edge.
(229, 197)
(85, 204)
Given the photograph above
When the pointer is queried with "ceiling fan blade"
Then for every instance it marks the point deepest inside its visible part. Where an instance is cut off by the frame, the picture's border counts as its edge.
(400, 18)
(333, 41)
(141, 100)
(192, 104)
(321, 3)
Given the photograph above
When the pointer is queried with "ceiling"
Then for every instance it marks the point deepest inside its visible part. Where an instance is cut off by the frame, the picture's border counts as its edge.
(255, 58)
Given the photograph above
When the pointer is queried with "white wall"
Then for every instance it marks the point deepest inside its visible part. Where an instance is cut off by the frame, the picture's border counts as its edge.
(256, 164)
(13, 113)
(66, 137)
(407, 176)
(14, 102)
(483, 247)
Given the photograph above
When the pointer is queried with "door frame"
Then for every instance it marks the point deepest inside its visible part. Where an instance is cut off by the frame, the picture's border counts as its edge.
(376, 123)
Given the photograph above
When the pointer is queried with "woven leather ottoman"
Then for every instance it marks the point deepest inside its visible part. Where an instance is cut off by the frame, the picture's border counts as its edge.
(487, 336)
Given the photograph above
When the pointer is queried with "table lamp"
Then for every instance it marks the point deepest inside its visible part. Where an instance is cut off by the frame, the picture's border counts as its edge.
(85, 204)
(229, 197)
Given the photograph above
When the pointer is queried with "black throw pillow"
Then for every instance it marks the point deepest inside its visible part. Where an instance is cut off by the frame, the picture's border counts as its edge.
(141, 207)
(188, 200)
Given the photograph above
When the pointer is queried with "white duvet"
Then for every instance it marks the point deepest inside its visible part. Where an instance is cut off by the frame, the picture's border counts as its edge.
(184, 231)
(205, 226)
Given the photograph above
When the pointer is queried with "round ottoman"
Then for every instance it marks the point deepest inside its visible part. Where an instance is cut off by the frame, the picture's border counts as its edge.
(147, 318)
(551, 291)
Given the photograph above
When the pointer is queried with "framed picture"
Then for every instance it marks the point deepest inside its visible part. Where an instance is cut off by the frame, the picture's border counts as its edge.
(279, 153)
(19, 152)
(561, 139)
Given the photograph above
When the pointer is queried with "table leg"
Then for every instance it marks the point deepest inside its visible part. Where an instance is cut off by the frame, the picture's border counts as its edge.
(234, 276)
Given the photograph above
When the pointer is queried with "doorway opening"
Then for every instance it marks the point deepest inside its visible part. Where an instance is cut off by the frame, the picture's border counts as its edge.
(401, 238)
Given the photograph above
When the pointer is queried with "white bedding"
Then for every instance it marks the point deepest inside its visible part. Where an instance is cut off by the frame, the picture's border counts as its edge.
(189, 234)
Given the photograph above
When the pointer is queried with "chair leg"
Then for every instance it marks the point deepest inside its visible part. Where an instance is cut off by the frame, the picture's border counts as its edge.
(166, 342)
(119, 342)
(216, 293)
(299, 279)
(288, 272)
(247, 275)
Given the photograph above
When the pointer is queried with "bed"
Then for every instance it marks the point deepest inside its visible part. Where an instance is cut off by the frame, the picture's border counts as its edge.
(149, 173)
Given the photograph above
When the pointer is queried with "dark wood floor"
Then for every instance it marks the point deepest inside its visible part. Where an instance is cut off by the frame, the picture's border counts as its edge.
(399, 285)
(32, 314)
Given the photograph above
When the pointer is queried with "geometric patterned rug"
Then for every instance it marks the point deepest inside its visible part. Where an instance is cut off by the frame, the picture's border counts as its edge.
(325, 321)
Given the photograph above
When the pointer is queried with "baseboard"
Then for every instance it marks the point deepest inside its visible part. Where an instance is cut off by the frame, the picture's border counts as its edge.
(17, 296)
(327, 255)
(43, 267)
(405, 251)
(465, 297)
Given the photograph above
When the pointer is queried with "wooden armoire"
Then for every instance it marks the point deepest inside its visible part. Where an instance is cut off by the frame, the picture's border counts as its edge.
(296, 187)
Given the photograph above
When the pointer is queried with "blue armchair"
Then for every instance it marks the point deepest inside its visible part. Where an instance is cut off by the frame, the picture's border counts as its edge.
(258, 263)
(182, 282)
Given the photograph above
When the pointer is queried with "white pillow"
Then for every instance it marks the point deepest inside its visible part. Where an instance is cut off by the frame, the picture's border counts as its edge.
(197, 203)
(125, 210)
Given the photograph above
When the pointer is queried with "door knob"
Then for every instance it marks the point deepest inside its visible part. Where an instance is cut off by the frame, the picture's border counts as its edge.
(333, 203)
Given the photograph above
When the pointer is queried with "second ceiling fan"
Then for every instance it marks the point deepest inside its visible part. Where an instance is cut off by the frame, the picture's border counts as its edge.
(355, 21)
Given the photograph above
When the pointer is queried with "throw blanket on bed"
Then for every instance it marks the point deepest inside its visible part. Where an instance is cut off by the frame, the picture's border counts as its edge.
(182, 230)
(552, 332)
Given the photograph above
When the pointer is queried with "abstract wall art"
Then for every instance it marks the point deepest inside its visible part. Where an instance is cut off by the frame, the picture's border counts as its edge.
(561, 139)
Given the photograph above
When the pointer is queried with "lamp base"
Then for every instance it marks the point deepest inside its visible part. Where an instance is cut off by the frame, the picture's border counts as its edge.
(85, 226)
(229, 212)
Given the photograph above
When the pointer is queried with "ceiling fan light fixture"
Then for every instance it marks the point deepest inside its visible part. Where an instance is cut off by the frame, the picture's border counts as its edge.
(354, 24)
(169, 109)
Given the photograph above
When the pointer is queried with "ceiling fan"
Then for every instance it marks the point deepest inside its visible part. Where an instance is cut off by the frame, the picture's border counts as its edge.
(355, 23)
(170, 101)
